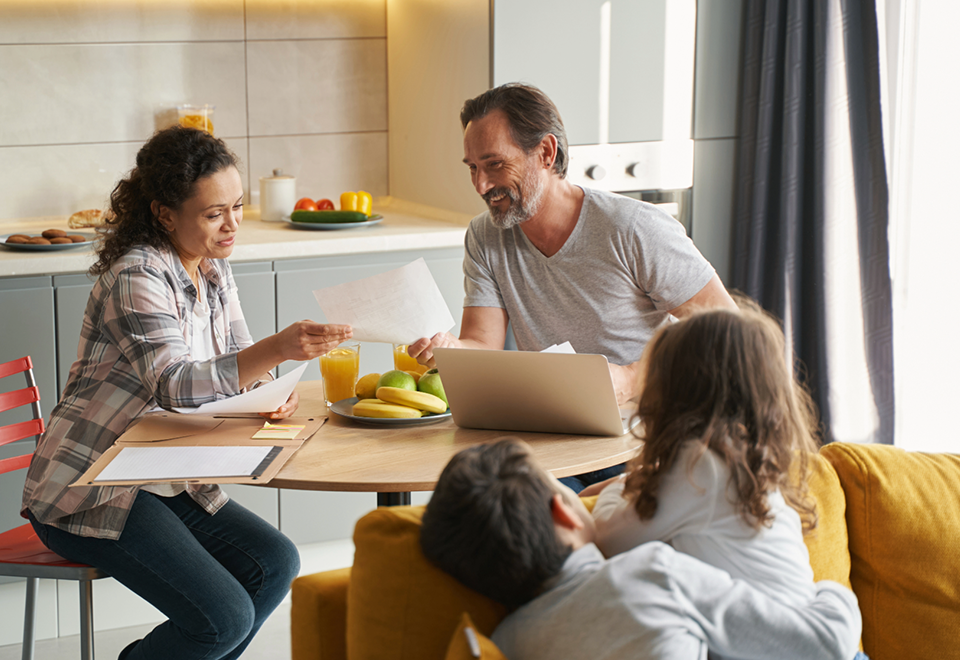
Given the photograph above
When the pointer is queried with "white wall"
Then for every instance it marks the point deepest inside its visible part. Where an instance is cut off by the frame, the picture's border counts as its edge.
(298, 84)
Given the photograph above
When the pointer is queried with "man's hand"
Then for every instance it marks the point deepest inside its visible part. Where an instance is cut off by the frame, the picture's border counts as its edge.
(286, 410)
(422, 349)
(626, 382)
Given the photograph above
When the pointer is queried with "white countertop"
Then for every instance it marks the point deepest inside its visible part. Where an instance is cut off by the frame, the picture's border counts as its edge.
(405, 226)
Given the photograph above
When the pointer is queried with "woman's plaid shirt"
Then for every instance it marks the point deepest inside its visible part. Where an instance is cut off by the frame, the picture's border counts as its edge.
(133, 355)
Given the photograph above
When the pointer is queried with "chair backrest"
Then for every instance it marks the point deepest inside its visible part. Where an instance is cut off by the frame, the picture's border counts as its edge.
(30, 395)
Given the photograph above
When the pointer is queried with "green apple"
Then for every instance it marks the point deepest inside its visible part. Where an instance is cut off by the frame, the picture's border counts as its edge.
(397, 378)
(430, 383)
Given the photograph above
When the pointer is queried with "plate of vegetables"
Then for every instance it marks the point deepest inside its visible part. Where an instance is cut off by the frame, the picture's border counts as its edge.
(355, 211)
(331, 219)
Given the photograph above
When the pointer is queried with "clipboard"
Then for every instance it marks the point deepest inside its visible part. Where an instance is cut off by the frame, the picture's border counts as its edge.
(166, 430)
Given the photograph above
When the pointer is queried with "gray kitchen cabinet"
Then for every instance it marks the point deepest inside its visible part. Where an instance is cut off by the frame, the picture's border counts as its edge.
(72, 293)
(26, 328)
(618, 70)
(315, 516)
(258, 299)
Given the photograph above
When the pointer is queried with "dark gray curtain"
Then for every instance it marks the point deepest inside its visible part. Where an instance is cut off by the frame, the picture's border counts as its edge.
(786, 228)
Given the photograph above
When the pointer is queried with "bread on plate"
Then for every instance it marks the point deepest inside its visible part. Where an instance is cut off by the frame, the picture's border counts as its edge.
(85, 219)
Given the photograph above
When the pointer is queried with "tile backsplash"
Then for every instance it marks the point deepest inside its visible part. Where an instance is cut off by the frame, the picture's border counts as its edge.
(299, 85)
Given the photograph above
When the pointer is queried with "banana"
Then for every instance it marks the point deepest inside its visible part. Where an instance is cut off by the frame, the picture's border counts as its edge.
(382, 409)
(420, 400)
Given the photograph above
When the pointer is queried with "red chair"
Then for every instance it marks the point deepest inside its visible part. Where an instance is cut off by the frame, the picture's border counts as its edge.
(21, 552)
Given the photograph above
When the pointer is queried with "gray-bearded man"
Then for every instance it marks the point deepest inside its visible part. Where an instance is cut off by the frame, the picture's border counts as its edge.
(560, 262)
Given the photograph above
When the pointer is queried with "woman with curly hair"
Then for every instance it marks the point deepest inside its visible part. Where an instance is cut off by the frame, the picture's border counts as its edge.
(722, 472)
(163, 329)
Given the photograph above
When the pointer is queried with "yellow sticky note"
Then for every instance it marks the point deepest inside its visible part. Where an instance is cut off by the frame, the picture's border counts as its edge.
(278, 431)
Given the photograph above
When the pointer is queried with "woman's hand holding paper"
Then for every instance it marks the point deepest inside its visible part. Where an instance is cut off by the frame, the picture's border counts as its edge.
(286, 410)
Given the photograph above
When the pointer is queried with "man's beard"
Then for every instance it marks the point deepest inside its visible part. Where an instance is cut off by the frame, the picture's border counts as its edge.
(524, 202)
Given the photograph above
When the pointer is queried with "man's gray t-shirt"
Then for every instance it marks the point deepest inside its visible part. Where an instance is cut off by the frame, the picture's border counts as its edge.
(606, 291)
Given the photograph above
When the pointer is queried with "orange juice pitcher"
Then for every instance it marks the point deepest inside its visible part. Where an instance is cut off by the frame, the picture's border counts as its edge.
(340, 369)
(196, 116)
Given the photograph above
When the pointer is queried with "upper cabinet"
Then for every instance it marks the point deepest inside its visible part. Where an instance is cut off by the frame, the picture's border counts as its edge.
(618, 70)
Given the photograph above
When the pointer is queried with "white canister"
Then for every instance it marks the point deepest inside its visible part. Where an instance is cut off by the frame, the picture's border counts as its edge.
(278, 196)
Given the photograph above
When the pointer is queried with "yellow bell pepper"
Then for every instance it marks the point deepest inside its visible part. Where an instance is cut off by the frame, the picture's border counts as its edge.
(348, 201)
(356, 201)
(364, 202)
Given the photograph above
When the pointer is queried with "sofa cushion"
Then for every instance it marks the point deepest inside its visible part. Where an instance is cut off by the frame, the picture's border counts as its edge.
(827, 543)
(903, 518)
(468, 644)
(399, 605)
(318, 615)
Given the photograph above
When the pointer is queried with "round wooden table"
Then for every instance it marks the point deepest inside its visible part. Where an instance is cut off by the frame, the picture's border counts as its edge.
(393, 461)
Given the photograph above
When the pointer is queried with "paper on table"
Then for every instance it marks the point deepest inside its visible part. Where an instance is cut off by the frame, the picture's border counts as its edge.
(265, 398)
(398, 307)
(565, 347)
(163, 463)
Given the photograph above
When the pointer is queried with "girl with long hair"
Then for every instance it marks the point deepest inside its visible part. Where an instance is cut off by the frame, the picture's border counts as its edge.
(722, 473)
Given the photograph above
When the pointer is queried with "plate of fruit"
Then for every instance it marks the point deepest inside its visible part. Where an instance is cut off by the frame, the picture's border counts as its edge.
(396, 398)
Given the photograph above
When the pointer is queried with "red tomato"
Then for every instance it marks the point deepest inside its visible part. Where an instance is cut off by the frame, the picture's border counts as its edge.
(325, 205)
(305, 204)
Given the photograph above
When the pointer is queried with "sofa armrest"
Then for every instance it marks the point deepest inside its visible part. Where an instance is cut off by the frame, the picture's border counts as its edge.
(318, 616)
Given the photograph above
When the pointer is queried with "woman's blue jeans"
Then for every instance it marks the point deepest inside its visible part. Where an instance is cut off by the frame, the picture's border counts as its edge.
(217, 578)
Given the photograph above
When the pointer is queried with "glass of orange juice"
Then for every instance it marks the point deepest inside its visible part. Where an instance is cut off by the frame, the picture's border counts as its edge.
(339, 369)
(403, 361)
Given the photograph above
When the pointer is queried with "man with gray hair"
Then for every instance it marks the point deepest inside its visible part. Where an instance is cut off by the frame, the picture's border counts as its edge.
(560, 262)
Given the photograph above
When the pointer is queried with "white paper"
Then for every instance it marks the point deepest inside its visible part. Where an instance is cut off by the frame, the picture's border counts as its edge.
(164, 463)
(396, 307)
(565, 347)
(266, 398)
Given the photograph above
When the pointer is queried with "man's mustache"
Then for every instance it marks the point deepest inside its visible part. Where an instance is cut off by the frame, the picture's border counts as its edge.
(498, 192)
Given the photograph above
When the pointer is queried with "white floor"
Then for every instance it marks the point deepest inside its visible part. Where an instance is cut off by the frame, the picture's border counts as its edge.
(271, 643)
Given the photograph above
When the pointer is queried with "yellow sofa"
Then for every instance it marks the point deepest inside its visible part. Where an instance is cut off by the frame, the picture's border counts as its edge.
(889, 527)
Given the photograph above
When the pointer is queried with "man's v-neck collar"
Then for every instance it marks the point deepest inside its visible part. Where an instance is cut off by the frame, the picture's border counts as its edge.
(567, 245)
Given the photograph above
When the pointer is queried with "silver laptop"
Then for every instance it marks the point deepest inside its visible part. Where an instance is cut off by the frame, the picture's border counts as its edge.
(527, 391)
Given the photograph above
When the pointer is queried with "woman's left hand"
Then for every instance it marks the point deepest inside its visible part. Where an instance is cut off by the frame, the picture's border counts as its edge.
(286, 410)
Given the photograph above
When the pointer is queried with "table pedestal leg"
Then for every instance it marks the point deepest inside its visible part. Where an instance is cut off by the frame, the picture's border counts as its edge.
(393, 499)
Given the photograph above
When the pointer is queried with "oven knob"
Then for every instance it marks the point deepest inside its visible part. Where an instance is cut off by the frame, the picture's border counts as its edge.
(634, 169)
(596, 172)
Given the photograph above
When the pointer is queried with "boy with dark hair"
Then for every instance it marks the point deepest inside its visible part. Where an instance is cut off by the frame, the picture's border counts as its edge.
(504, 527)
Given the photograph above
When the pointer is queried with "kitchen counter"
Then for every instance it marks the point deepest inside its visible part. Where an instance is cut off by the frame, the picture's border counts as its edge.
(405, 226)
